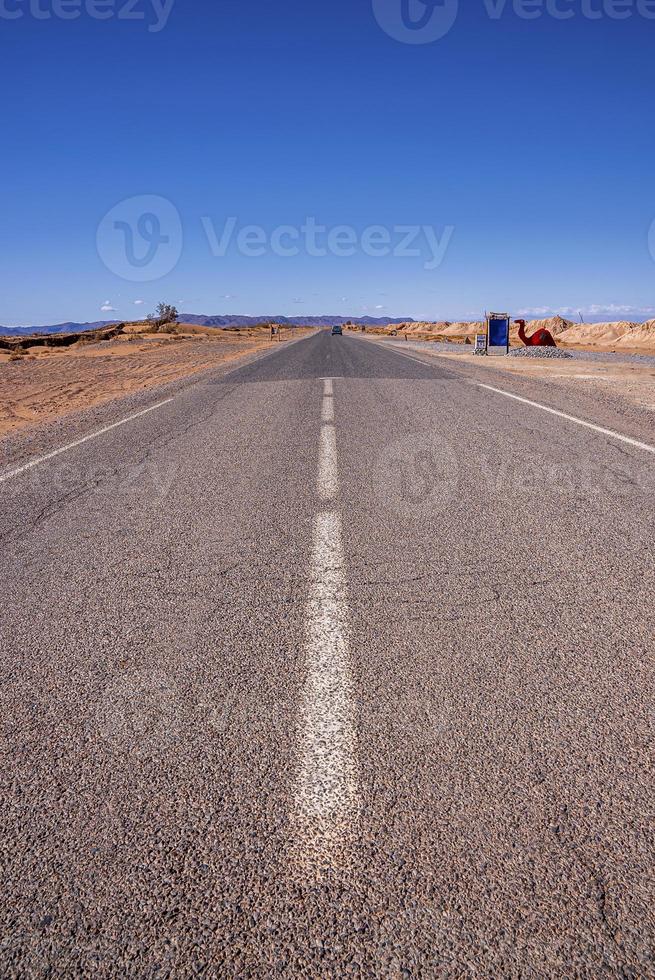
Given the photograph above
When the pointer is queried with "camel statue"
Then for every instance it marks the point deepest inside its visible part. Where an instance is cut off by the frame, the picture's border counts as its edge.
(540, 338)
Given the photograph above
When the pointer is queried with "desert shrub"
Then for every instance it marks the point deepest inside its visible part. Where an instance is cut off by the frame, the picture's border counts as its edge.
(164, 314)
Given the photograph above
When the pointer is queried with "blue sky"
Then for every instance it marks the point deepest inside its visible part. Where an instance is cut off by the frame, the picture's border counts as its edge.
(524, 146)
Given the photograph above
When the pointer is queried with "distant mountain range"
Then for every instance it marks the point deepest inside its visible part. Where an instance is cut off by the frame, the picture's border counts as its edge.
(201, 320)
(55, 328)
(292, 321)
(238, 320)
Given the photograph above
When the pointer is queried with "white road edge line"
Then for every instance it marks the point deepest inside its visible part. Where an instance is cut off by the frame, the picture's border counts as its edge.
(327, 788)
(78, 442)
(403, 353)
(411, 357)
(544, 408)
(572, 418)
(328, 478)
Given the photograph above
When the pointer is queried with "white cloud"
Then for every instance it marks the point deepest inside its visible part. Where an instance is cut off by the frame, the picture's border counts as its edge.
(595, 310)
(107, 307)
(296, 299)
(139, 302)
(613, 308)
(537, 311)
(379, 306)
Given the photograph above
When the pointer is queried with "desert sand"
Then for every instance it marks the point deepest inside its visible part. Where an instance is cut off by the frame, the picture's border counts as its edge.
(629, 381)
(622, 335)
(40, 383)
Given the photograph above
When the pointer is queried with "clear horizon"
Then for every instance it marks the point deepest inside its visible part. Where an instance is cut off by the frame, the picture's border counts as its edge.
(325, 158)
(595, 316)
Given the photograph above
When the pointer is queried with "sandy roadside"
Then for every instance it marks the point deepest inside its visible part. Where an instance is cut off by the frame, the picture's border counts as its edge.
(50, 383)
(614, 374)
(632, 382)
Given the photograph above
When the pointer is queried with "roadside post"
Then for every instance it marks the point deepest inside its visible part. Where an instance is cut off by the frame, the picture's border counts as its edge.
(498, 333)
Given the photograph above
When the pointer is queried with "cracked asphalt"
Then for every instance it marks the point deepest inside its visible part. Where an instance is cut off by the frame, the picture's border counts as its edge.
(500, 581)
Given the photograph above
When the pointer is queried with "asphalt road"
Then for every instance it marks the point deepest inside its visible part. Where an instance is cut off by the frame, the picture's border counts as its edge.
(347, 677)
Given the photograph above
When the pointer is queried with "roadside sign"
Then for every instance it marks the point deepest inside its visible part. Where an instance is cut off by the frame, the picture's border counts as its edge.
(480, 341)
(498, 333)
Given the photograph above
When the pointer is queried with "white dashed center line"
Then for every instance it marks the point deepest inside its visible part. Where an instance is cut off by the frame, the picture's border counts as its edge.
(327, 786)
(327, 411)
(327, 790)
(328, 477)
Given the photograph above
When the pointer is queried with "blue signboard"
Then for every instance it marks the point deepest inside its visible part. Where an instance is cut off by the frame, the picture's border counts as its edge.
(498, 333)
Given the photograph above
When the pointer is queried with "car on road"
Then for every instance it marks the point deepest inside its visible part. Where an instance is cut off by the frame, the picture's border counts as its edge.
(337, 331)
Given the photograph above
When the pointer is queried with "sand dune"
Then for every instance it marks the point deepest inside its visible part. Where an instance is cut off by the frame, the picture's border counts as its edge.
(556, 325)
(464, 329)
(596, 333)
(642, 335)
(620, 335)
(442, 328)
(40, 383)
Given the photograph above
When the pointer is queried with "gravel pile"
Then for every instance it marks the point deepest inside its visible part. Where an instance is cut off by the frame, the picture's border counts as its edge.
(538, 352)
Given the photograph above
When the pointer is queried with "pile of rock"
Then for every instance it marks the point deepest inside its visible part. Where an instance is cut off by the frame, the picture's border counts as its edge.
(539, 352)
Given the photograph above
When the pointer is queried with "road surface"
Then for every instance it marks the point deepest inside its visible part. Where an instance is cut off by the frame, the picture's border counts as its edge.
(339, 664)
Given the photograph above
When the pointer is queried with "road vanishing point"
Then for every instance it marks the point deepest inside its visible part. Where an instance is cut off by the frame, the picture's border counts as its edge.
(339, 663)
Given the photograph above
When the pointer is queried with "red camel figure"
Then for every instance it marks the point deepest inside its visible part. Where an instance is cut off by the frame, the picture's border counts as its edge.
(540, 338)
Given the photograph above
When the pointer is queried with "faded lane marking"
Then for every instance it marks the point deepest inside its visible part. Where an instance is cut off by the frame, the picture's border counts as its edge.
(327, 789)
(328, 478)
(327, 410)
(572, 418)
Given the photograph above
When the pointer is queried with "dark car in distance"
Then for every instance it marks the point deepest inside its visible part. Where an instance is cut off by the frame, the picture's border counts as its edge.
(337, 331)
